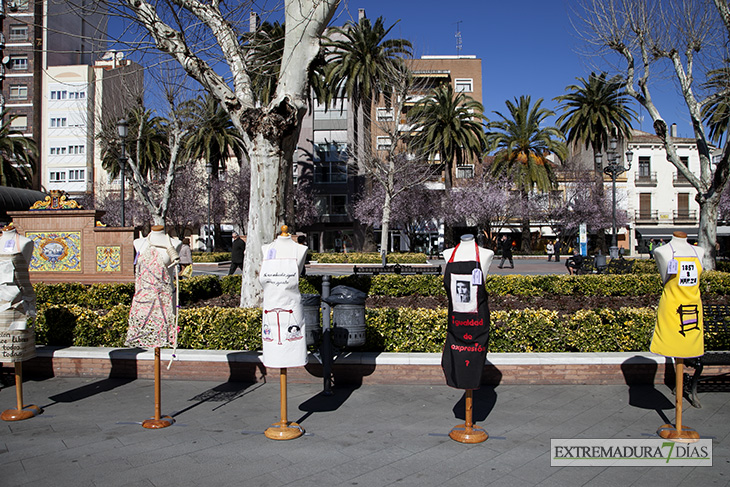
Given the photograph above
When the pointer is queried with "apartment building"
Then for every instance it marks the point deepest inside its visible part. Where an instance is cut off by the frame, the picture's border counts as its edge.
(78, 100)
(331, 140)
(34, 36)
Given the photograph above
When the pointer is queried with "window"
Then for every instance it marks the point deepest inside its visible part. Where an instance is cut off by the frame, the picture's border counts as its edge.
(18, 92)
(330, 145)
(645, 205)
(385, 114)
(19, 122)
(19, 63)
(75, 149)
(58, 122)
(384, 143)
(644, 167)
(18, 32)
(15, 5)
(59, 95)
(683, 205)
(336, 111)
(463, 85)
(330, 172)
(76, 174)
(57, 176)
(332, 204)
(58, 151)
(465, 172)
(77, 95)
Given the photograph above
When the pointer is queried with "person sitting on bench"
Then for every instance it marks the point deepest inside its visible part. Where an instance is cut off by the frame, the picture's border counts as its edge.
(574, 263)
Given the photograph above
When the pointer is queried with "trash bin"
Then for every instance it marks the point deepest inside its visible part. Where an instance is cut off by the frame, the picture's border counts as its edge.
(348, 316)
(310, 309)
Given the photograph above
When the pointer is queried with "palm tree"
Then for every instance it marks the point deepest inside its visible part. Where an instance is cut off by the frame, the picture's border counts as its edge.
(19, 155)
(593, 112)
(361, 64)
(717, 113)
(522, 148)
(449, 125)
(213, 136)
(147, 135)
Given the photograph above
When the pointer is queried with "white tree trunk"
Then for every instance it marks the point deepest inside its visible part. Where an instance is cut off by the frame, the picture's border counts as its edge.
(262, 215)
(385, 224)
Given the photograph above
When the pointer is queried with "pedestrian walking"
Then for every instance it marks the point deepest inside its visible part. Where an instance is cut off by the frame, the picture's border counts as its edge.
(186, 259)
(238, 248)
(506, 245)
(557, 250)
(550, 249)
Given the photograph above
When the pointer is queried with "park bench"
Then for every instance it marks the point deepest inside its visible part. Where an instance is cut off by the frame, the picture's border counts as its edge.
(404, 270)
(716, 321)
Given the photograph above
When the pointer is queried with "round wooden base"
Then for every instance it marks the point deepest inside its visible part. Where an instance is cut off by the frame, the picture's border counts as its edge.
(473, 434)
(686, 435)
(154, 424)
(27, 412)
(284, 431)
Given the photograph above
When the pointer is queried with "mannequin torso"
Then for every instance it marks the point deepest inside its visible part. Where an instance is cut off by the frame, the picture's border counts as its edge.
(466, 251)
(677, 247)
(160, 242)
(283, 247)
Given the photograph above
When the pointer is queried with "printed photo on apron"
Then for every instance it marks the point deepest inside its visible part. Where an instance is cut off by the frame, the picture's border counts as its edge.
(464, 293)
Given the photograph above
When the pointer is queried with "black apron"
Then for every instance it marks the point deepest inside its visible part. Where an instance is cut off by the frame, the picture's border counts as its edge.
(467, 335)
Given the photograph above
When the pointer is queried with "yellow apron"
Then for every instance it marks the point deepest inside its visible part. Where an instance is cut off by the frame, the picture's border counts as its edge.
(679, 331)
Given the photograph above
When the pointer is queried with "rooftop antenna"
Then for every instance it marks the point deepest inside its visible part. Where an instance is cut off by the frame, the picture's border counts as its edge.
(458, 38)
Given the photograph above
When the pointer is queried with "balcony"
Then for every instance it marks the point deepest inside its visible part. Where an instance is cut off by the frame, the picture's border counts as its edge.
(685, 216)
(644, 217)
(680, 180)
(645, 179)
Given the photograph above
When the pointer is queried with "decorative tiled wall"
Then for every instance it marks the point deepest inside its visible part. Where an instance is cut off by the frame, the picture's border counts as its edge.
(108, 259)
(55, 251)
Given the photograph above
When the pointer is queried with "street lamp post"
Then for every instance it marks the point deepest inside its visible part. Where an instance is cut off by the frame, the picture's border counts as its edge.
(614, 168)
(122, 127)
(209, 171)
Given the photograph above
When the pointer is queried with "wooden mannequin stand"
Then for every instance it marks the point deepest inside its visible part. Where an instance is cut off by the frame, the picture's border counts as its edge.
(467, 432)
(283, 430)
(677, 432)
(158, 421)
(22, 412)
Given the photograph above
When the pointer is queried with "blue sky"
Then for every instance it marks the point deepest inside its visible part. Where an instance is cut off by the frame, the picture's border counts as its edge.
(527, 47)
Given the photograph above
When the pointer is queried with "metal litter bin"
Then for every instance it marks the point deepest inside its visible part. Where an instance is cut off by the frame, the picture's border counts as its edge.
(348, 316)
(310, 309)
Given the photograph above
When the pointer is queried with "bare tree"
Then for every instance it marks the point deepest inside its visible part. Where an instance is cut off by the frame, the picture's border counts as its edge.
(203, 37)
(689, 37)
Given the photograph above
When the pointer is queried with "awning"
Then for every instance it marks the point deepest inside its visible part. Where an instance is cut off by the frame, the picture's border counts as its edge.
(17, 199)
(723, 230)
(665, 232)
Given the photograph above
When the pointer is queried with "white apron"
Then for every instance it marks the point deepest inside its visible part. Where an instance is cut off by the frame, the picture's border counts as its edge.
(282, 330)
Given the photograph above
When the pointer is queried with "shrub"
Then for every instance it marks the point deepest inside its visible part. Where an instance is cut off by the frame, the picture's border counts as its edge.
(202, 257)
(368, 258)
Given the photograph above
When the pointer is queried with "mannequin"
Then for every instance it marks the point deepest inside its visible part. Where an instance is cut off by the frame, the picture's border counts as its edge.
(283, 320)
(467, 335)
(17, 303)
(679, 332)
(282, 328)
(153, 317)
(672, 335)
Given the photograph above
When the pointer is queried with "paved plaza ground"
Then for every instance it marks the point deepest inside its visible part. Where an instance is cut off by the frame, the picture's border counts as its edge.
(90, 435)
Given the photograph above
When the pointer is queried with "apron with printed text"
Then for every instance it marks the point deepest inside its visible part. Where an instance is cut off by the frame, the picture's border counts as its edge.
(17, 303)
(679, 330)
(467, 334)
(282, 329)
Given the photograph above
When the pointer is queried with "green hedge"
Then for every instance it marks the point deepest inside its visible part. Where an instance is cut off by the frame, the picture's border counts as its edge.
(367, 258)
(211, 256)
(388, 329)
(104, 296)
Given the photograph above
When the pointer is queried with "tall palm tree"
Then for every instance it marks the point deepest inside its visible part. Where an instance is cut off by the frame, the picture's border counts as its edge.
(717, 113)
(594, 111)
(214, 136)
(450, 125)
(361, 63)
(147, 134)
(522, 148)
(19, 155)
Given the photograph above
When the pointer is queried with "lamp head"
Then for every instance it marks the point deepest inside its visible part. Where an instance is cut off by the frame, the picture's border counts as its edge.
(122, 128)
